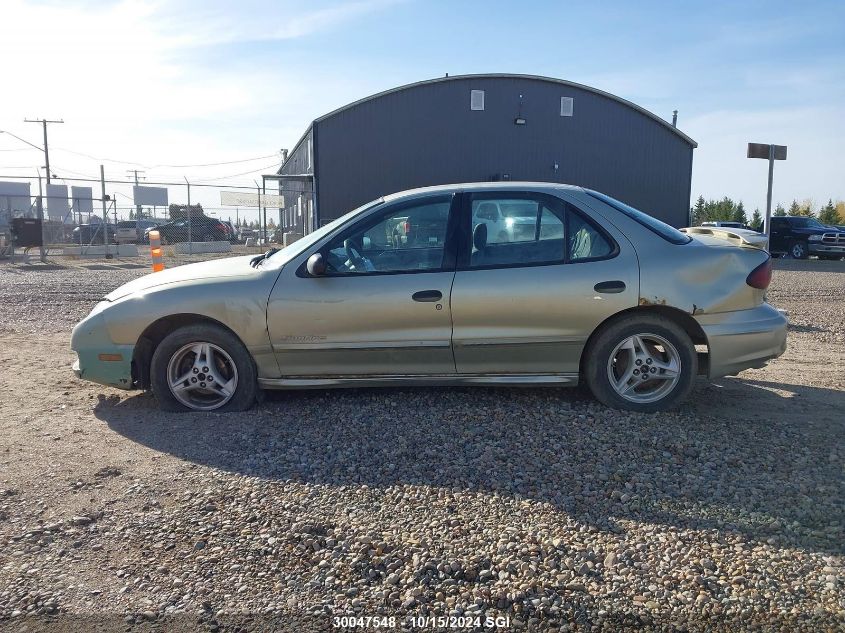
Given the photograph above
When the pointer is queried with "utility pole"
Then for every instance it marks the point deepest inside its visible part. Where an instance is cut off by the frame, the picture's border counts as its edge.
(190, 245)
(40, 208)
(105, 210)
(44, 123)
(137, 206)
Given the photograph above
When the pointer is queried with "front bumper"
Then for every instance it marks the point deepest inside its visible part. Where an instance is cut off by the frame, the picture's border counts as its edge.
(98, 358)
(820, 248)
(743, 339)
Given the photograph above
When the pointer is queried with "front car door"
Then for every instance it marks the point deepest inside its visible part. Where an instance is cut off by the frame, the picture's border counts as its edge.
(382, 308)
(525, 301)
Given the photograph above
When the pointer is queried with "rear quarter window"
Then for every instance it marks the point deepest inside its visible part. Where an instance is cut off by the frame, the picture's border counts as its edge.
(668, 233)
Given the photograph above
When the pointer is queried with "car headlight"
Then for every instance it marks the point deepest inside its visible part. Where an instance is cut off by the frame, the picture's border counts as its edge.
(509, 222)
(815, 238)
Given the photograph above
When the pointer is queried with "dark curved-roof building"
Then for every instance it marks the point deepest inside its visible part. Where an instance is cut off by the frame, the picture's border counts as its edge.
(476, 128)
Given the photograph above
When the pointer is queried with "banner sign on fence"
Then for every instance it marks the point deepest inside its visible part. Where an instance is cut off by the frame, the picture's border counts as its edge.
(57, 206)
(14, 196)
(242, 199)
(83, 199)
(150, 196)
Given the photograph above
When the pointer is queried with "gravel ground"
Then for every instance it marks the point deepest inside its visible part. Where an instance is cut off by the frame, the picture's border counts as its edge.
(535, 504)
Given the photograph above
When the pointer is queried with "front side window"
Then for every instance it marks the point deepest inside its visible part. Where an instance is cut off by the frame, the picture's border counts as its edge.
(405, 238)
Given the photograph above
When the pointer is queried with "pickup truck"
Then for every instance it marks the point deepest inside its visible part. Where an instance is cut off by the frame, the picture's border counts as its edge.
(801, 237)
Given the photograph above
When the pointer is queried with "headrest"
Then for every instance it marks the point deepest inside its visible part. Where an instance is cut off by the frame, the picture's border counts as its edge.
(479, 237)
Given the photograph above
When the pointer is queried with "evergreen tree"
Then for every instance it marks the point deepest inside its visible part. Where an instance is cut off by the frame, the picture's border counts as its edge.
(794, 208)
(757, 220)
(805, 209)
(828, 214)
(725, 210)
(779, 210)
(697, 213)
(739, 214)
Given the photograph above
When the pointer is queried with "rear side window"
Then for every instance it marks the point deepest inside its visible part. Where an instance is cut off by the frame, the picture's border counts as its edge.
(668, 233)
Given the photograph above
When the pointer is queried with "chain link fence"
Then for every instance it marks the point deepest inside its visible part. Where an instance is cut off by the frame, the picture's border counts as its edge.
(189, 233)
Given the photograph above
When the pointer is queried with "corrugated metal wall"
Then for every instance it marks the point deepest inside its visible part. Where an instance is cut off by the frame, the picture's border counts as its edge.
(427, 134)
(298, 193)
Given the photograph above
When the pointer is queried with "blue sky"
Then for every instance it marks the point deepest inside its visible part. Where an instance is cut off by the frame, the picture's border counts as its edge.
(184, 83)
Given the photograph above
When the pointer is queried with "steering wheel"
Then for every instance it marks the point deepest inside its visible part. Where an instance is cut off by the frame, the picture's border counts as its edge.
(358, 261)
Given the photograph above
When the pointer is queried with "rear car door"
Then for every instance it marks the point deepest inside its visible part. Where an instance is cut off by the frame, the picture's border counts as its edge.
(525, 301)
(779, 238)
(382, 308)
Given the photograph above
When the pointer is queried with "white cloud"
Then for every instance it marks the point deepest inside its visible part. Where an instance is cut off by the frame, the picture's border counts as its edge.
(132, 82)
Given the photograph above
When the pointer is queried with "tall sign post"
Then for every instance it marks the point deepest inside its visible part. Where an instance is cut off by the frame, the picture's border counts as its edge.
(772, 153)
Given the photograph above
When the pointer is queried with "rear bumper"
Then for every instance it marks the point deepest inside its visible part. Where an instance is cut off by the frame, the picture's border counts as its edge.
(743, 339)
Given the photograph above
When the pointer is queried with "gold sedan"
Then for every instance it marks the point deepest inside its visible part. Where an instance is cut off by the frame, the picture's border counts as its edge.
(495, 284)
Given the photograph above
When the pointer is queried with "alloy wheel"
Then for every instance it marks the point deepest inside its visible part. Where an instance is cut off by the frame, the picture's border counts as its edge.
(202, 376)
(644, 368)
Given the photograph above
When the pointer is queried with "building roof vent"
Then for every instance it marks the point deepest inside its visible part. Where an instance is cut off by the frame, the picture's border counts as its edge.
(476, 99)
(567, 105)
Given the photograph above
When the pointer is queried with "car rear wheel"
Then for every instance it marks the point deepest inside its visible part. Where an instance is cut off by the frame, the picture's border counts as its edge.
(642, 363)
(798, 250)
(203, 368)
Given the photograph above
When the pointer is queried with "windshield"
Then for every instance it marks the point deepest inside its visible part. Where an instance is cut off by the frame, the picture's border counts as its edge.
(287, 253)
(668, 233)
(807, 223)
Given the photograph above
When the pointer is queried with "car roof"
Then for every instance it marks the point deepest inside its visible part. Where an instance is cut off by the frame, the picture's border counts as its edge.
(483, 186)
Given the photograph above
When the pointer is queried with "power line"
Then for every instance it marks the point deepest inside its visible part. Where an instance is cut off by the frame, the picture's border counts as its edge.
(129, 162)
(241, 174)
(123, 182)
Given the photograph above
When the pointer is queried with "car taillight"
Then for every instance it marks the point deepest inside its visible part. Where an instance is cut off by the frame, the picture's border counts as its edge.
(222, 227)
(406, 226)
(761, 276)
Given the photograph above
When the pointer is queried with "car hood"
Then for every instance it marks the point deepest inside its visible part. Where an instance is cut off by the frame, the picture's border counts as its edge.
(214, 269)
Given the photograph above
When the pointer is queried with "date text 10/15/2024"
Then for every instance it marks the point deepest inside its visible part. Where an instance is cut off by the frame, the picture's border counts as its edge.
(422, 622)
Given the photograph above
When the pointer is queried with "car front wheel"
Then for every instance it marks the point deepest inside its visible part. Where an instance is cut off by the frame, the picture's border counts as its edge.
(643, 363)
(203, 368)
(798, 250)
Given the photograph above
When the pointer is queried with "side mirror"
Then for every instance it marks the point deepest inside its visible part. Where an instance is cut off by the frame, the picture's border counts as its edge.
(316, 265)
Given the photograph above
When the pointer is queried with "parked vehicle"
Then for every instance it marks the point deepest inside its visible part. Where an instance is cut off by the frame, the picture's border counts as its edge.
(133, 231)
(230, 229)
(603, 293)
(506, 220)
(93, 234)
(202, 229)
(801, 237)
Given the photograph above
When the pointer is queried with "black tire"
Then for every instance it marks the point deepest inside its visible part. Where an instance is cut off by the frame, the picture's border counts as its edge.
(597, 358)
(246, 391)
(799, 250)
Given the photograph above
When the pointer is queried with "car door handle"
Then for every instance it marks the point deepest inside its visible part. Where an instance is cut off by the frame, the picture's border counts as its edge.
(427, 295)
(610, 287)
